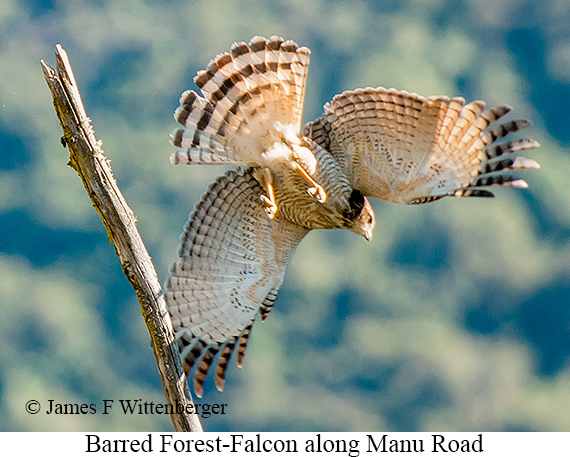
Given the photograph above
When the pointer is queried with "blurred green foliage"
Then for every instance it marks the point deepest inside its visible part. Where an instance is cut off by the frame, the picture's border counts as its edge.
(455, 317)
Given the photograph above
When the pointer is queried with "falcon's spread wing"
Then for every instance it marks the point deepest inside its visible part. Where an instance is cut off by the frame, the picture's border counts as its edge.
(404, 148)
(231, 265)
(246, 93)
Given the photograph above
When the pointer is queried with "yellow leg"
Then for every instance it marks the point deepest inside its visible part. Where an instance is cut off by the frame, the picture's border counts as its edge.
(269, 200)
(316, 190)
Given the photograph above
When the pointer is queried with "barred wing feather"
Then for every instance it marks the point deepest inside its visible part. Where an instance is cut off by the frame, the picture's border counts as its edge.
(404, 148)
(230, 267)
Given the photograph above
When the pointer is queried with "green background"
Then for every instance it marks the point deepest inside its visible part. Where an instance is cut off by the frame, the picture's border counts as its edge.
(455, 317)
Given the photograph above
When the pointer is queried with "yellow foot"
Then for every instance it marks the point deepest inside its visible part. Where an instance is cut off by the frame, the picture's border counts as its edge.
(270, 207)
(316, 191)
(269, 200)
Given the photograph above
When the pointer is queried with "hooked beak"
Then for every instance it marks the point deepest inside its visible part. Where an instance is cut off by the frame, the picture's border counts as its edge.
(368, 236)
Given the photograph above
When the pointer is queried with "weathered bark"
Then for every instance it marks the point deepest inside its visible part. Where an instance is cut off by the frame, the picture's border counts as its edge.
(88, 159)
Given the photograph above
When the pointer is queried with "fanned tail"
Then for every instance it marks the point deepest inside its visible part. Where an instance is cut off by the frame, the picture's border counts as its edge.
(243, 94)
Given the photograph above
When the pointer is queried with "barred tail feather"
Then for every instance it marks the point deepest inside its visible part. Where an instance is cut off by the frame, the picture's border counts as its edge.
(200, 156)
(231, 263)
(293, 68)
(243, 93)
(195, 114)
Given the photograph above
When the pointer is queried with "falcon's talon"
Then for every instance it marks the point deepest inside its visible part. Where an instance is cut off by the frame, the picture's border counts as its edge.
(270, 212)
(269, 199)
(318, 193)
(270, 207)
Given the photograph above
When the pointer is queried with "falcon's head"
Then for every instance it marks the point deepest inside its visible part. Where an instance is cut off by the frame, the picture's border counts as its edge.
(360, 217)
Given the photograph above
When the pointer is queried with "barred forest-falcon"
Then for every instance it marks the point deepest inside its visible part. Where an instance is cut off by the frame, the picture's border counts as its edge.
(380, 143)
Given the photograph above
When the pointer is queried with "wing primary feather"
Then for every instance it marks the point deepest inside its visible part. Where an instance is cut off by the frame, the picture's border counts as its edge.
(508, 163)
(503, 130)
(223, 362)
(190, 351)
(494, 114)
(267, 304)
(519, 145)
(474, 193)
(499, 180)
(242, 346)
(202, 369)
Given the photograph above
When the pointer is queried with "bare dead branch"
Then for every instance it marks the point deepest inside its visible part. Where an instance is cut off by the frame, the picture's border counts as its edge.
(88, 159)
